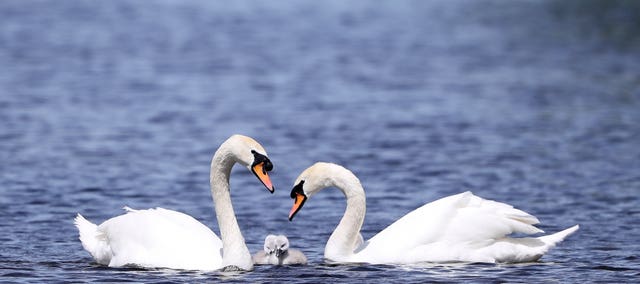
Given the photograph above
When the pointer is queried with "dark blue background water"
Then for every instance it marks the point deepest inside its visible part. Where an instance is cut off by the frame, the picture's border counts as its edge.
(112, 103)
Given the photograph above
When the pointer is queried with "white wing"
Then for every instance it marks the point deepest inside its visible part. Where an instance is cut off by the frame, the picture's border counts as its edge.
(153, 238)
(460, 227)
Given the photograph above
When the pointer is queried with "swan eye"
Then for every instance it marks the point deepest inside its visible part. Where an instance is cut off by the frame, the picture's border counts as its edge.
(268, 166)
(259, 158)
(297, 189)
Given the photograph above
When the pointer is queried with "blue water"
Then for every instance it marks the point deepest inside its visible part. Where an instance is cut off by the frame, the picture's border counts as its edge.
(111, 103)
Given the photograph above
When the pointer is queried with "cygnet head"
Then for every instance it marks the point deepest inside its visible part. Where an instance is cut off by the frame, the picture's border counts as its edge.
(270, 244)
(281, 245)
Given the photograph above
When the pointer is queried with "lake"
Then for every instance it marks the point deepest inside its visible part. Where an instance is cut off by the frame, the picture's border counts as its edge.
(111, 103)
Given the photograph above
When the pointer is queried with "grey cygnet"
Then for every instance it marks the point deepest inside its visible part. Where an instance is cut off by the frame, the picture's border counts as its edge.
(276, 252)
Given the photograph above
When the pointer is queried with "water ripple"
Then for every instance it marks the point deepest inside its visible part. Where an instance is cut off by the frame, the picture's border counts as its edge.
(115, 103)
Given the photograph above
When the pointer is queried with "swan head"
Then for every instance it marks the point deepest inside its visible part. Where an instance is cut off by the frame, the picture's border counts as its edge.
(259, 167)
(315, 178)
(249, 153)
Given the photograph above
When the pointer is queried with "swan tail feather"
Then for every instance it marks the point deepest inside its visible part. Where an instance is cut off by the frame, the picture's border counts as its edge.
(553, 239)
(92, 240)
(88, 232)
(129, 209)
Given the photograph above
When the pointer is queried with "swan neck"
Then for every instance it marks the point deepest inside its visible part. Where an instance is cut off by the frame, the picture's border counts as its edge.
(234, 249)
(345, 238)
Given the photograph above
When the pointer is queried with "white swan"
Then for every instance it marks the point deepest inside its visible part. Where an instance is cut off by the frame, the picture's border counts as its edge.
(169, 239)
(461, 227)
(277, 252)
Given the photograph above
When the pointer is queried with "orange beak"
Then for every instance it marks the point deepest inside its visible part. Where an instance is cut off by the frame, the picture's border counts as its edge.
(262, 175)
(297, 204)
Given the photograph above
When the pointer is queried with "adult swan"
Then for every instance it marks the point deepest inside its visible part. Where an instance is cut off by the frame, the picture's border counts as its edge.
(461, 227)
(165, 238)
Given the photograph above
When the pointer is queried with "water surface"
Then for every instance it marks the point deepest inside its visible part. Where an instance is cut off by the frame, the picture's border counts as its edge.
(107, 104)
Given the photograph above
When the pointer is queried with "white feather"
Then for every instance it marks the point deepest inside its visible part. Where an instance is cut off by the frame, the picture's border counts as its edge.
(165, 238)
(461, 227)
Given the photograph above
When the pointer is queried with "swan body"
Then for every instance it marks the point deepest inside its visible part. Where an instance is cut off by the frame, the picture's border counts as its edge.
(170, 239)
(152, 238)
(457, 228)
(277, 252)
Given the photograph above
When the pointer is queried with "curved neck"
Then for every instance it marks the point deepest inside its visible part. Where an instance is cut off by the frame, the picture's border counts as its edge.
(346, 237)
(234, 249)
